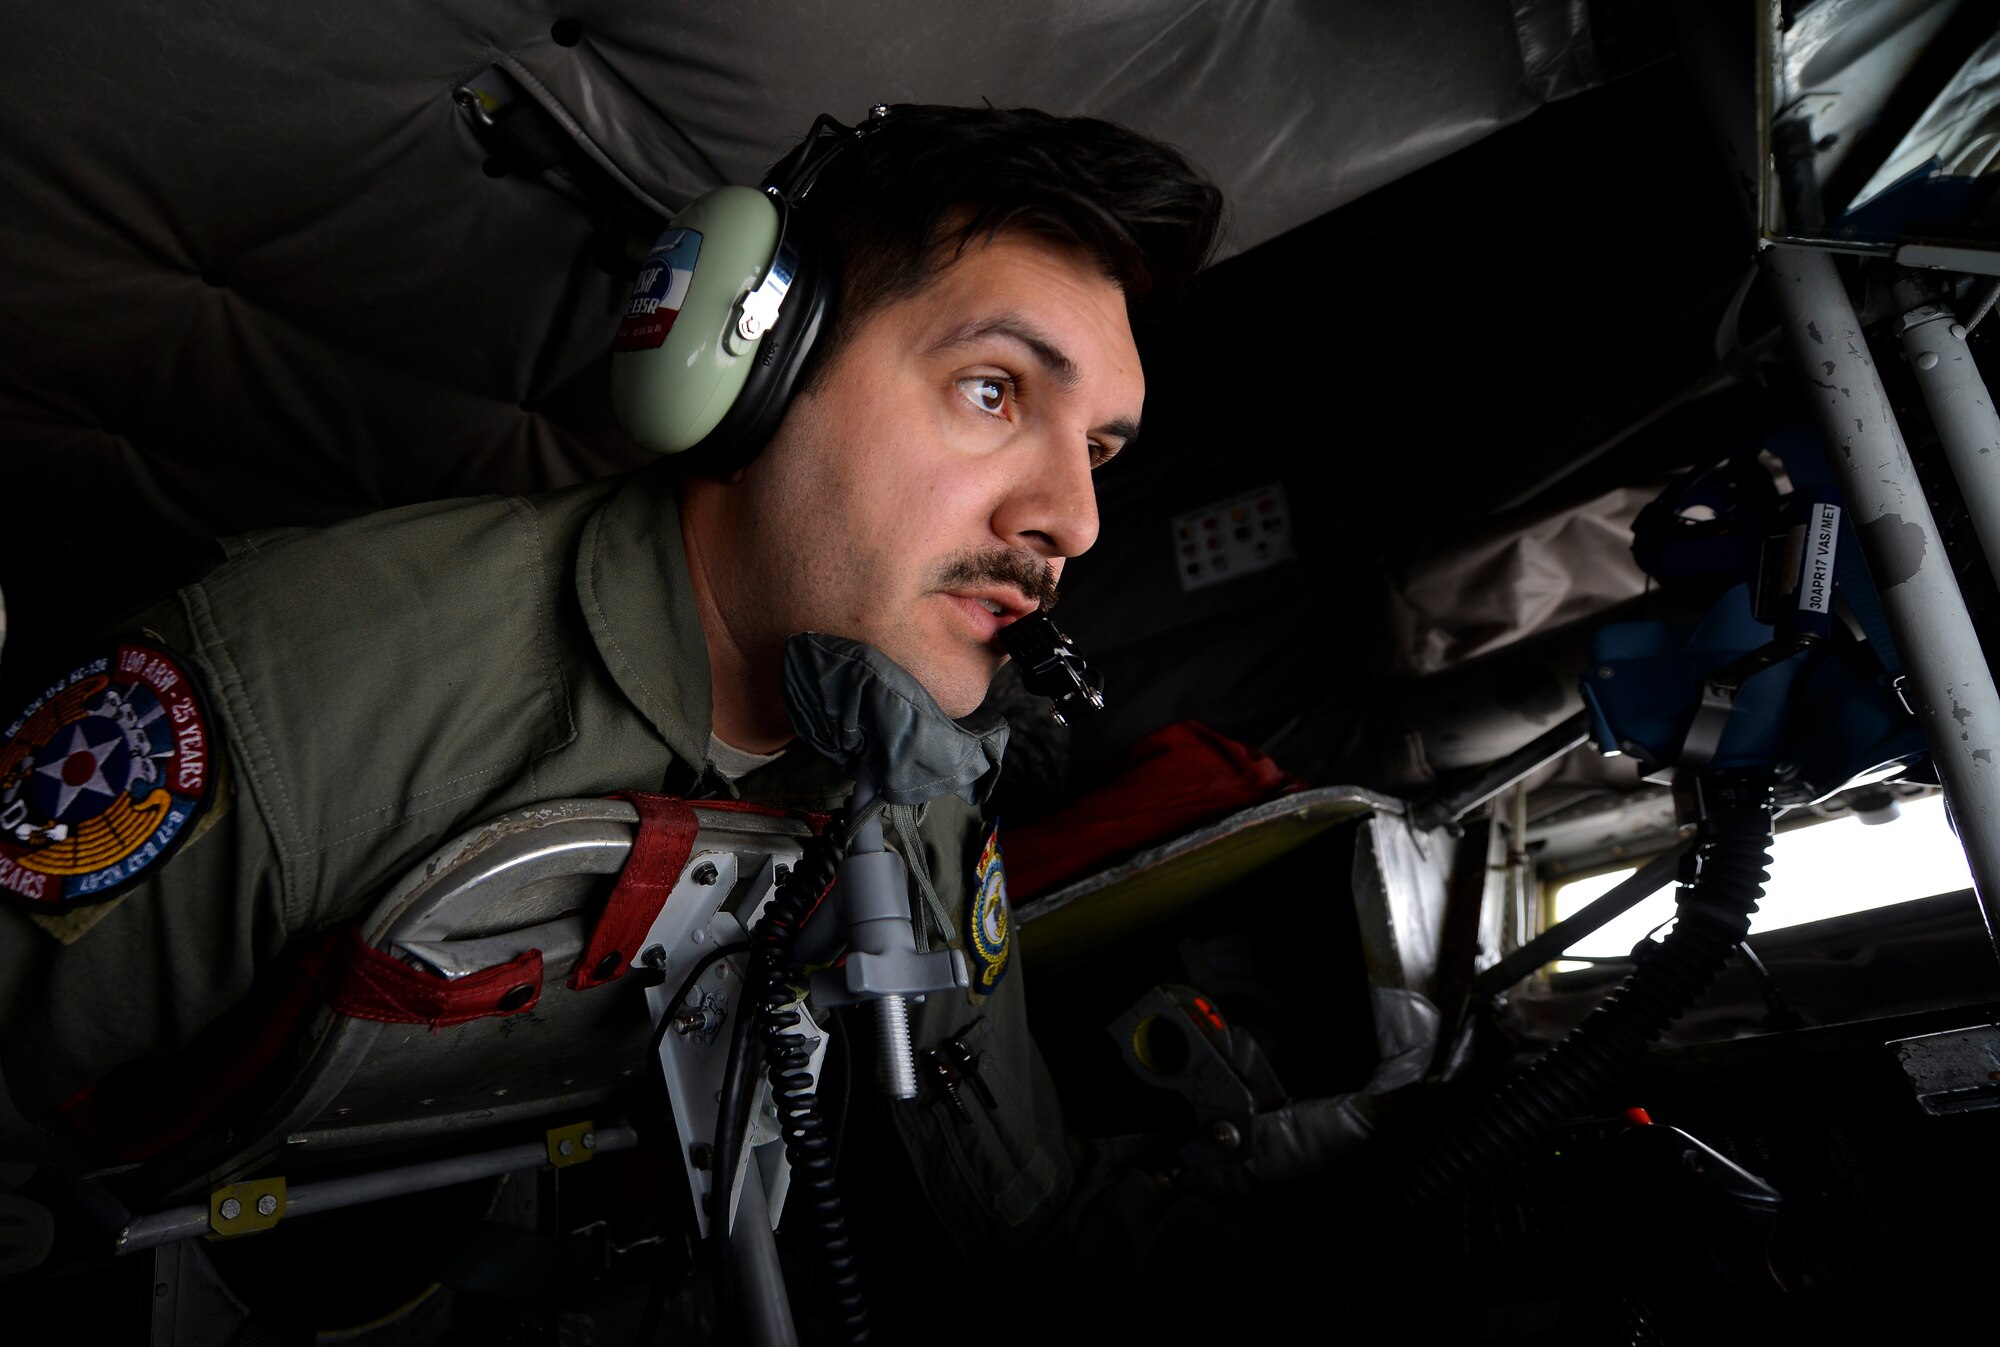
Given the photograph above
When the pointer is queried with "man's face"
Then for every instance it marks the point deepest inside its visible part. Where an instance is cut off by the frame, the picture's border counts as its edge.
(941, 468)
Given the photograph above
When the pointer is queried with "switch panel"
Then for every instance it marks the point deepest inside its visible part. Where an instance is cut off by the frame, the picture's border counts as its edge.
(1238, 536)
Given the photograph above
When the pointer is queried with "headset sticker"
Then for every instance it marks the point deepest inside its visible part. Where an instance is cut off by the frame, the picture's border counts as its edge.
(659, 292)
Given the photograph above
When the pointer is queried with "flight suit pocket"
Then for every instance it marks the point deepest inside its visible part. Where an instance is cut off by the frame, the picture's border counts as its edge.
(396, 672)
(989, 1161)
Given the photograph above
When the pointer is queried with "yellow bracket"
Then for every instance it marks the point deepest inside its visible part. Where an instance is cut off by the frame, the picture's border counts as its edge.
(240, 1208)
(572, 1145)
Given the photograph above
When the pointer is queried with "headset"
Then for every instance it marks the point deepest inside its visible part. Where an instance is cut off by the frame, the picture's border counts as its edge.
(725, 310)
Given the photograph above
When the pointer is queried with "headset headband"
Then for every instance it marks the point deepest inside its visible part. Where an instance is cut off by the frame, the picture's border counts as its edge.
(791, 179)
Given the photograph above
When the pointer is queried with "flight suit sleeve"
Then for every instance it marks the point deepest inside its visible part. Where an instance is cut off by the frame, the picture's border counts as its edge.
(86, 988)
(1086, 1245)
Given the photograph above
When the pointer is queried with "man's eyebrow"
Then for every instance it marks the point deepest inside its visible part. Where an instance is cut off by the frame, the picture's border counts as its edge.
(1050, 356)
(1124, 430)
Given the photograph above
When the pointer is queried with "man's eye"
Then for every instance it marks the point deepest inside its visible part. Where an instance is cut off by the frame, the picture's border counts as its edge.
(988, 392)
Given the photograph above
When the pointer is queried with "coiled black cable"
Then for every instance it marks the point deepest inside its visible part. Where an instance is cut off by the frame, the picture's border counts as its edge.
(777, 983)
(1712, 917)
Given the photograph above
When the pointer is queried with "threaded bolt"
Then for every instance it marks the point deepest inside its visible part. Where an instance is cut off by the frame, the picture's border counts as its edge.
(892, 1044)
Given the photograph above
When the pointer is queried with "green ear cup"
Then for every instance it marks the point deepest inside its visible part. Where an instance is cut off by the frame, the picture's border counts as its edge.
(676, 366)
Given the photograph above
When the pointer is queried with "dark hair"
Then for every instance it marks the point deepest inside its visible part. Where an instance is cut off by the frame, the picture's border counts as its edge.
(903, 202)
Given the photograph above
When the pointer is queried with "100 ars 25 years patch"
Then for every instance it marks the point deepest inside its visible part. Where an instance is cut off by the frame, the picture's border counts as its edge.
(100, 778)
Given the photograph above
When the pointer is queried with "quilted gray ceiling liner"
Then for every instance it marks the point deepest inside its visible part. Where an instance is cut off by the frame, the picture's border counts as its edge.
(254, 273)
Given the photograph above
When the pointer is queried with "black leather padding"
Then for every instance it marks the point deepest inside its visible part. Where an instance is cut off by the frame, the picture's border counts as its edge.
(754, 417)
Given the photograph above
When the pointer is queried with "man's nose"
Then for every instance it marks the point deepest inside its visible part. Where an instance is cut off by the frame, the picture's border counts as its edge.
(1051, 503)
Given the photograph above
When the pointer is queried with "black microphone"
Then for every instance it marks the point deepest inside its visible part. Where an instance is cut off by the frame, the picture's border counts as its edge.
(1050, 666)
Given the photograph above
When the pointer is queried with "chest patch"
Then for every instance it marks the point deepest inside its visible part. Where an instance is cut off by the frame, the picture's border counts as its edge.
(101, 777)
(989, 921)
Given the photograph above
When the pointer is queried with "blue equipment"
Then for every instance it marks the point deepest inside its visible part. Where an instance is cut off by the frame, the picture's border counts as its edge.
(1790, 670)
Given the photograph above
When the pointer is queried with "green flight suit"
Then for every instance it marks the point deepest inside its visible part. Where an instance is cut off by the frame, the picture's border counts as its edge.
(389, 682)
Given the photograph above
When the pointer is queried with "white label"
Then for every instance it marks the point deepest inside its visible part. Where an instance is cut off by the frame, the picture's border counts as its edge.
(1239, 536)
(1816, 568)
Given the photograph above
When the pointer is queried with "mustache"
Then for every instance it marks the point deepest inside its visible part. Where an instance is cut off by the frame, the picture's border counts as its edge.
(1034, 577)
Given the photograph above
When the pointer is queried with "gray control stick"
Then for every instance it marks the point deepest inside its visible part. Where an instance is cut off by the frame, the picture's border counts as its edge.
(883, 964)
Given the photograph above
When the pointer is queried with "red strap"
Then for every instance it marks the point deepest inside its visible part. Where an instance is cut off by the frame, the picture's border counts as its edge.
(374, 985)
(659, 854)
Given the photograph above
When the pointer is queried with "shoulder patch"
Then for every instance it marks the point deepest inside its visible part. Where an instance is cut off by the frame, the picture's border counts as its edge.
(101, 778)
(989, 920)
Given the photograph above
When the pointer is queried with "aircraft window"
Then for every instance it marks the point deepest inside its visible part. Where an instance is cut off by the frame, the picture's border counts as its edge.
(1825, 870)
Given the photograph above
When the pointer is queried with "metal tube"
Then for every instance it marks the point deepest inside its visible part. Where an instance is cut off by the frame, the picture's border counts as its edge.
(1956, 701)
(1642, 884)
(1520, 861)
(1455, 802)
(767, 1310)
(1961, 408)
(147, 1232)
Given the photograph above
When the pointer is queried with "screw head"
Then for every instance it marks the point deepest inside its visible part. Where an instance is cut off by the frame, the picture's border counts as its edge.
(470, 103)
(565, 1147)
(702, 1155)
(1225, 1135)
(706, 873)
(267, 1205)
(230, 1209)
(590, 1141)
(1927, 360)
